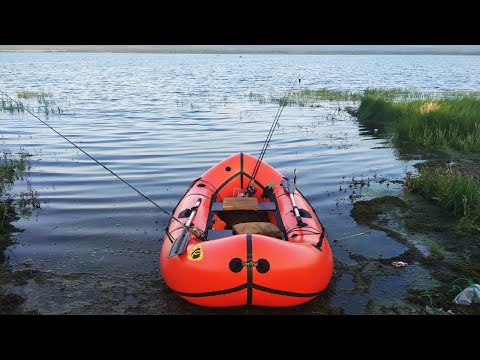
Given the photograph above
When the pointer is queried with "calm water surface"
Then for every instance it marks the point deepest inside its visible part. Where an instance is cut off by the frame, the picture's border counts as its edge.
(160, 121)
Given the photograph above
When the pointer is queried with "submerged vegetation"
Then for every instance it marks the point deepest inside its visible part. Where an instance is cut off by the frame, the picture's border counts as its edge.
(307, 97)
(39, 95)
(12, 168)
(312, 98)
(44, 104)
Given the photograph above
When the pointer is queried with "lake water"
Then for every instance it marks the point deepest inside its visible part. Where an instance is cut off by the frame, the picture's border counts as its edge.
(159, 121)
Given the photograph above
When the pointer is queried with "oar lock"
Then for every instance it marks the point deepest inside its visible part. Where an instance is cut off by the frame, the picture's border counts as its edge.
(186, 213)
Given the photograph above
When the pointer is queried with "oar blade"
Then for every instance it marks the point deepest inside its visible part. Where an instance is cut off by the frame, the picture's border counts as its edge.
(180, 244)
(288, 186)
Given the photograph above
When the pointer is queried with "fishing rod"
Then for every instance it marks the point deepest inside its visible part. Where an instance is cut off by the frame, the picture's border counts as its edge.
(250, 190)
(195, 231)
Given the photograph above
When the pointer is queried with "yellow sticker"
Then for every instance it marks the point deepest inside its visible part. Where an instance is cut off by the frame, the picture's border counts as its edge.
(196, 254)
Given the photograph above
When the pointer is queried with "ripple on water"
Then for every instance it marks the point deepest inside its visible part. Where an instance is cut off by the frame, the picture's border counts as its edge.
(160, 121)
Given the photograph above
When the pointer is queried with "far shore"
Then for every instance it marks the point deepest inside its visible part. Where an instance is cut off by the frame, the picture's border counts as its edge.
(248, 50)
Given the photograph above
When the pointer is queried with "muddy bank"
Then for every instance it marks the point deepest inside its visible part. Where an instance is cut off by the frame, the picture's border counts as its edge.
(444, 257)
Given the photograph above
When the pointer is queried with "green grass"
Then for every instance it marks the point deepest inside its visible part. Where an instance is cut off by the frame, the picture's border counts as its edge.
(307, 97)
(404, 94)
(436, 250)
(446, 120)
(451, 123)
(39, 95)
(457, 193)
(440, 120)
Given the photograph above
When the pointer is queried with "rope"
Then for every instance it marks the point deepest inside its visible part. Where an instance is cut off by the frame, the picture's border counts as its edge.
(425, 293)
(455, 287)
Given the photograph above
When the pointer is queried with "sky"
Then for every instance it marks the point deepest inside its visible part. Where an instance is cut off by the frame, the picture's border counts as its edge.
(289, 49)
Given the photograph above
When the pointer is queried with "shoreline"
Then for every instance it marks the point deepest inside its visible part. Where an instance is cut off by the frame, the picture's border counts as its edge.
(92, 51)
(248, 49)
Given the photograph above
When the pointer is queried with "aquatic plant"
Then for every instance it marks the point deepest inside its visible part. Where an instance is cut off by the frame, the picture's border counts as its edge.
(11, 106)
(454, 191)
(46, 106)
(39, 95)
(257, 97)
(309, 97)
(12, 169)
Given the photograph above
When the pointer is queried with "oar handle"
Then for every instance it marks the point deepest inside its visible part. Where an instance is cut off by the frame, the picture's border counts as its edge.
(290, 189)
(192, 214)
(296, 212)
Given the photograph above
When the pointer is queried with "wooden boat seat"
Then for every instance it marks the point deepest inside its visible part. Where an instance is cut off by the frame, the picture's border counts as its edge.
(258, 227)
(267, 205)
(240, 203)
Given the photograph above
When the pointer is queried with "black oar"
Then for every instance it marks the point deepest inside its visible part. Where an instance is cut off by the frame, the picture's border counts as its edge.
(290, 189)
(180, 243)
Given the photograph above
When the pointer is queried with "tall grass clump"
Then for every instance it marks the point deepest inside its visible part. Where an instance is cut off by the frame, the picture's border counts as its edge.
(377, 112)
(447, 123)
(395, 94)
(457, 193)
(39, 95)
(309, 97)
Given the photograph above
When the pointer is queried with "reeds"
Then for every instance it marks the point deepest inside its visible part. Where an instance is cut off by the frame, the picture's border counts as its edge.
(39, 95)
(45, 105)
(448, 123)
(456, 192)
(11, 169)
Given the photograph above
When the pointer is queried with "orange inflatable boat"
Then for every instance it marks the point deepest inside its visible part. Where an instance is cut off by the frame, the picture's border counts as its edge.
(242, 234)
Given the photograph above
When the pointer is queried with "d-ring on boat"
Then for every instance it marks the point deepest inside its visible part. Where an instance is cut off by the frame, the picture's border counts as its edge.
(243, 234)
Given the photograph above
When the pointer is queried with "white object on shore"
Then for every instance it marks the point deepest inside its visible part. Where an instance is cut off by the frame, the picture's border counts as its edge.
(469, 295)
(399, 263)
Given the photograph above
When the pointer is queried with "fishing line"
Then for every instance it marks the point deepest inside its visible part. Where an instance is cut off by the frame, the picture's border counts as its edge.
(283, 103)
(98, 162)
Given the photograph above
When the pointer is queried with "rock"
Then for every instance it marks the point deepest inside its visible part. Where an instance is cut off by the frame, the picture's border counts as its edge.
(468, 296)
(431, 311)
